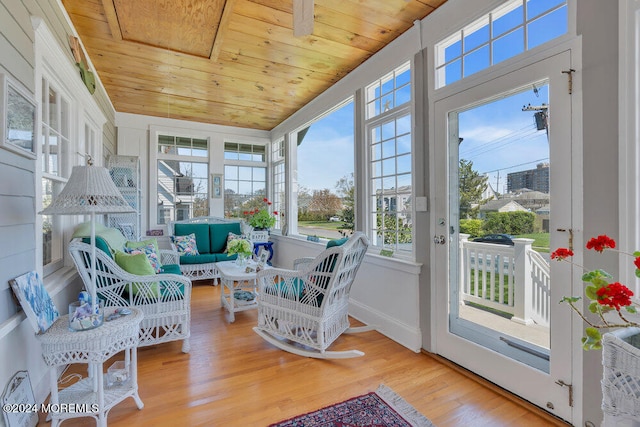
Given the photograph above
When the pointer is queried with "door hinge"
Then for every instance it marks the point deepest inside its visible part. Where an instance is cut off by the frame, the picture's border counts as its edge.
(570, 231)
(569, 74)
(570, 386)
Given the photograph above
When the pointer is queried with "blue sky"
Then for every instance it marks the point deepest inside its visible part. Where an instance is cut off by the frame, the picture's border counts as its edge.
(499, 137)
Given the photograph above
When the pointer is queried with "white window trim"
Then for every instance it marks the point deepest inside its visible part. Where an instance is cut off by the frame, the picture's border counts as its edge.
(629, 128)
(55, 64)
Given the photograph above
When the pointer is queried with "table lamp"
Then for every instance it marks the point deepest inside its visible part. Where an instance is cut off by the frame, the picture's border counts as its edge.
(89, 190)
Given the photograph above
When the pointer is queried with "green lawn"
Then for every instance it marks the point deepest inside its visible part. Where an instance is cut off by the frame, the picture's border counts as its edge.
(541, 243)
(329, 225)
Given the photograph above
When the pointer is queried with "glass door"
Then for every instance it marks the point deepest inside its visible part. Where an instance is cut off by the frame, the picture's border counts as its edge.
(503, 177)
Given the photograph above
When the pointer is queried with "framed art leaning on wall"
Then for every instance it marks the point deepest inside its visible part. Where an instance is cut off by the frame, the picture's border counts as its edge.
(17, 118)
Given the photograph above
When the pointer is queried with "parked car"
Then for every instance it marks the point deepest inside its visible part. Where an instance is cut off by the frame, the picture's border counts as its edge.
(498, 239)
(335, 219)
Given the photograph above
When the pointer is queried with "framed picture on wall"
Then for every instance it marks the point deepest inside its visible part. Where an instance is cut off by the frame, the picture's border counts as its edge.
(216, 185)
(17, 118)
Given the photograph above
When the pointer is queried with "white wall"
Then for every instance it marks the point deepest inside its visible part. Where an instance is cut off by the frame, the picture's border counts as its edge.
(19, 349)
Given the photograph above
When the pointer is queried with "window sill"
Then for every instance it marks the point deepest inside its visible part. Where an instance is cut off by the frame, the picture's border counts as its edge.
(60, 279)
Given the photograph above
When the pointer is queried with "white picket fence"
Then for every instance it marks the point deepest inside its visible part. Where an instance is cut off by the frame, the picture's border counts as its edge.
(511, 279)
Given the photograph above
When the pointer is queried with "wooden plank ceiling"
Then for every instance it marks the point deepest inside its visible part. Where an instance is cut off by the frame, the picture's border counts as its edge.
(231, 62)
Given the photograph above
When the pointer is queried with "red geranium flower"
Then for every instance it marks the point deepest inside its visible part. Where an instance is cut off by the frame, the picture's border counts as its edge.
(561, 253)
(276, 213)
(601, 242)
(637, 262)
(615, 295)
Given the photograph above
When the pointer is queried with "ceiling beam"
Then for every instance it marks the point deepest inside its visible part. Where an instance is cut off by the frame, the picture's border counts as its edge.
(302, 17)
(222, 29)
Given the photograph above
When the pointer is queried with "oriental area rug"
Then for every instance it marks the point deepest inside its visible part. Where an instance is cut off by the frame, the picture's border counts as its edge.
(382, 408)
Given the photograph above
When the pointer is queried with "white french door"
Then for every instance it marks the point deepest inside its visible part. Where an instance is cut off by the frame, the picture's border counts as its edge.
(506, 145)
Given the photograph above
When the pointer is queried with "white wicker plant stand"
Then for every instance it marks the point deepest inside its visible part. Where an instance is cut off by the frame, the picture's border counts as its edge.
(621, 376)
(60, 347)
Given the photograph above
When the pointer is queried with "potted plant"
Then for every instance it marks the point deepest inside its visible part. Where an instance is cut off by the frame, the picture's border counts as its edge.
(240, 247)
(606, 295)
(261, 219)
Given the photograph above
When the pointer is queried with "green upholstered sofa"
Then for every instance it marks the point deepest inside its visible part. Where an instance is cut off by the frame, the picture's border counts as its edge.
(211, 235)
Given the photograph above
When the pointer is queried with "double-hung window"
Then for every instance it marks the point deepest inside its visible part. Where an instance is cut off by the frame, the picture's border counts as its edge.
(245, 178)
(182, 178)
(389, 141)
(55, 159)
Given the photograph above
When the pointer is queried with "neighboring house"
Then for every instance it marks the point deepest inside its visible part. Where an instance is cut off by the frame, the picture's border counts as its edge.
(502, 205)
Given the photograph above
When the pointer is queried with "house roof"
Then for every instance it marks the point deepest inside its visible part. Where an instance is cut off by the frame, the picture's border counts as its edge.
(498, 205)
(231, 62)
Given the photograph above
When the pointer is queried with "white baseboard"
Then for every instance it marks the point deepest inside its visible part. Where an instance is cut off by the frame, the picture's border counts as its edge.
(401, 333)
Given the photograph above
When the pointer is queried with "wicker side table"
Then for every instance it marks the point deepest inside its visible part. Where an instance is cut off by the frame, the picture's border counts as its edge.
(60, 346)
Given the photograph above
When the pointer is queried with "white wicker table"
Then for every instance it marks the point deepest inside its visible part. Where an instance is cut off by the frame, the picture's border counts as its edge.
(61, 346)
(234, 279)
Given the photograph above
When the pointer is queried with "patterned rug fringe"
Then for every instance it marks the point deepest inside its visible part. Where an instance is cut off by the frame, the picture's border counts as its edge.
(403, 407)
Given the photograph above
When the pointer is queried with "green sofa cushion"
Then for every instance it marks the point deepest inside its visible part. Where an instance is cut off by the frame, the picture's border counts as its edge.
(114, 238)
(171, 269)
(202, 235)
(197, 259)
(84, 229)
(225, 257)
(100, 244)
(337, 242)
(218, 234)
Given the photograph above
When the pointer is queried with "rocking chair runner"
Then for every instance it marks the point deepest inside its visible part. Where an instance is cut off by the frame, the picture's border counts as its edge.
(165, 299)
(309, 305)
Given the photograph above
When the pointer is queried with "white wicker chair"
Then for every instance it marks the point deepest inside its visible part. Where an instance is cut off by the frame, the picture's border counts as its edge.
(621, 376)
(165, 299)
(309, 306)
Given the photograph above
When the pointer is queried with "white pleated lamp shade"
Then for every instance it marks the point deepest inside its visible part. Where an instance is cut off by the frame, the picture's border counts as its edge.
(90, 189)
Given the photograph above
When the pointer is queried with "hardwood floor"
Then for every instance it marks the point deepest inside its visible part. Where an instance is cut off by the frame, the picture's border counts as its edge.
(234, 378)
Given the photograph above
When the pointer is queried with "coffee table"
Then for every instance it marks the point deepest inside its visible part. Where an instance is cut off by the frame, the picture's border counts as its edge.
(238, 287)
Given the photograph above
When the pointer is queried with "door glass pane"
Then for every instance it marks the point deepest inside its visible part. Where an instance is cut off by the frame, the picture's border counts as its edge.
(500, 201)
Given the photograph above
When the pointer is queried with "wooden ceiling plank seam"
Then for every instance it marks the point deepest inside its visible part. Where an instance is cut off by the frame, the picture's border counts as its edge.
(328, 24)
(229, 6)
(298, 57)
(112, 19)
(116, 80)
(283, 36)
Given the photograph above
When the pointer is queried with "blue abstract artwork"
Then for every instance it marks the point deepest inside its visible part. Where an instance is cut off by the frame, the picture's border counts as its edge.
(35, 301)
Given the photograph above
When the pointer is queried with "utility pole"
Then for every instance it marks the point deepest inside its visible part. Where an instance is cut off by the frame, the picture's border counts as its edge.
(541, 116)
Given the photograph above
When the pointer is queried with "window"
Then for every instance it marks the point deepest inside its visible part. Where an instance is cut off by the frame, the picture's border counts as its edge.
(183, 178)
(389, 143)
(55, 157)
(512, 28)
(324, 160)
(245, 178)
(278, 180)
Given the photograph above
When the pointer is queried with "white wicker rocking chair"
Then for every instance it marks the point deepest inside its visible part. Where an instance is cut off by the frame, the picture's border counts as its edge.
(165, 299)
(303, 311)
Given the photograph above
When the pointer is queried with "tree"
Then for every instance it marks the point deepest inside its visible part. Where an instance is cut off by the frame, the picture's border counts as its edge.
(472, 186)
(346, 190)
(324, 204)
